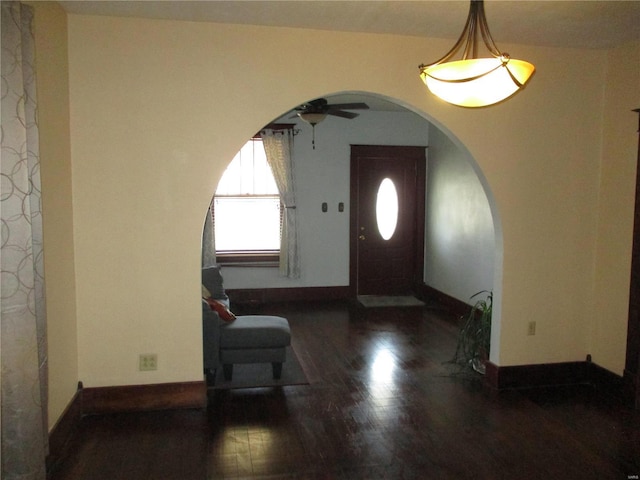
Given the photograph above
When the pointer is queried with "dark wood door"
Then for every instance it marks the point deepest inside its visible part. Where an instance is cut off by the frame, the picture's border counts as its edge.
(632, 365)
(393, 265)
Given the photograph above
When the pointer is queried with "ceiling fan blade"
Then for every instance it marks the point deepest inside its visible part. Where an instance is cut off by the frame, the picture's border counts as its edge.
(349, 106)
(340, 113)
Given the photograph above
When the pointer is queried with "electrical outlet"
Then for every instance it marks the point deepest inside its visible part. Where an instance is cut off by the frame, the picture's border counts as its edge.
(532, 328)
(148, 361)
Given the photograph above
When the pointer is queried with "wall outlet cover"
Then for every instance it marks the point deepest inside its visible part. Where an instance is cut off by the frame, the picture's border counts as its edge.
(147, 362)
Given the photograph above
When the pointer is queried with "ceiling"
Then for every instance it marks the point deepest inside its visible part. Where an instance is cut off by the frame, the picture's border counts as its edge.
(564, 23)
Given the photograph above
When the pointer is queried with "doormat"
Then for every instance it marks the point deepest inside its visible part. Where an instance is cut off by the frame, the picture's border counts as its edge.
(371, 301)
(257, 375)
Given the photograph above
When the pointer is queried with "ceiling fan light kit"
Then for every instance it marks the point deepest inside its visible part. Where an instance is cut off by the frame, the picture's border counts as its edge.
(472, 81)
(312, 118)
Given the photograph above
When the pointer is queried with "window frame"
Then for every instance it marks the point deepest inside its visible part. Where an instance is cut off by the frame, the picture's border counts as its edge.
(250, 258)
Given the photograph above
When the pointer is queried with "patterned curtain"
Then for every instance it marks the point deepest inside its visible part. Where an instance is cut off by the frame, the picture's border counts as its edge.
(22, 317)
(278, 145)
(208, 240)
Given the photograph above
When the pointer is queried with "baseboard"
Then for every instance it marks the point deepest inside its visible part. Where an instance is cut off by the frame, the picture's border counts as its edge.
(455, 306)
(249, 296)
(607, 380)
(268, 295)
(163, 396)
(64, 429)
(553, 375)
(538, 375)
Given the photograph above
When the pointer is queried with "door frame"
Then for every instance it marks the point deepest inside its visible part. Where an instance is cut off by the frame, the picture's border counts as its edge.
(421, 185)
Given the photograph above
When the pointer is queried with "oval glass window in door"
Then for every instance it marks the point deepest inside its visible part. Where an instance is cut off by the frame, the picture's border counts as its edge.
(387, 208)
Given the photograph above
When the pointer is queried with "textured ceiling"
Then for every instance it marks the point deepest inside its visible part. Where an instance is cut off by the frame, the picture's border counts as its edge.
(566, 23)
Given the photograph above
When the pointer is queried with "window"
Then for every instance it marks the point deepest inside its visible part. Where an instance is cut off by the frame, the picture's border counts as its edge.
(387, 208)
(246, 209)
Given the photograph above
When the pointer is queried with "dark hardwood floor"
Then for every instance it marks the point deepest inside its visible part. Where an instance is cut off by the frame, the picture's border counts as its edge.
(382, 403)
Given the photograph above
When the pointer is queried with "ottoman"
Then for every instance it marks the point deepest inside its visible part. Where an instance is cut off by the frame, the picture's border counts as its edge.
(254, 339)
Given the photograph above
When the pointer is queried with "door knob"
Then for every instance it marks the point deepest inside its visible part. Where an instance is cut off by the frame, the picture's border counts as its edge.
(361, 237)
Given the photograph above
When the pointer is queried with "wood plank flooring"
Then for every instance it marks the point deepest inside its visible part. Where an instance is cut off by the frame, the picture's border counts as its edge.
(382, 403)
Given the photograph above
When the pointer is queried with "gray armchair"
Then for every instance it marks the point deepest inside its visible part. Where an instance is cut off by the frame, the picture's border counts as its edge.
(245, 339)
(211, 322)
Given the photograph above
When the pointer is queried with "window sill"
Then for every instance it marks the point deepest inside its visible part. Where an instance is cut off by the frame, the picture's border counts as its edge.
(252, 259)
(249, 264)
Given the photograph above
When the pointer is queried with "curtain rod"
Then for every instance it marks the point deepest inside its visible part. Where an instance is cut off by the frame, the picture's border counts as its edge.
(279, 126)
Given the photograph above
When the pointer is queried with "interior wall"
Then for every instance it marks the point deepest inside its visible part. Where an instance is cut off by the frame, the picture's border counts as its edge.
(323, 175)
(55, 172)
(615, 213)
(149, 100)
(459, 235)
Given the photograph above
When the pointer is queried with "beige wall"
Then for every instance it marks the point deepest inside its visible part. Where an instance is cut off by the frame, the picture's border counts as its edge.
(617, 186)
(158, 108)
(55, 169)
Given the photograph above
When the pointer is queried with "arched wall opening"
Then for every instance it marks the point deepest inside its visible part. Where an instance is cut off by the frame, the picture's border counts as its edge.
(464, 246)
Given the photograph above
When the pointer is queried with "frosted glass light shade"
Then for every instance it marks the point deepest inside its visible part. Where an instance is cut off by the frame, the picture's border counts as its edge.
(312, 118)
(477, 82)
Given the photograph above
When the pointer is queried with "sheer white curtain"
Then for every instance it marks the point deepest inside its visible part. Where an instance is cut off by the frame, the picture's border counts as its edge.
(278, 145)
(22, 318)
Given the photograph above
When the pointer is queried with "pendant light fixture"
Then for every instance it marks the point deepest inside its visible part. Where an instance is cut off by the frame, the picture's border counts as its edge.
(474, 81)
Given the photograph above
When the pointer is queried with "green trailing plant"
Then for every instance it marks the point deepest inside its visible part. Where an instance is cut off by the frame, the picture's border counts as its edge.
(474, 339)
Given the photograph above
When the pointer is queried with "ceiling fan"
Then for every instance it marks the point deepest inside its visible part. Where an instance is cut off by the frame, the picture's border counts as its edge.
(315, 111)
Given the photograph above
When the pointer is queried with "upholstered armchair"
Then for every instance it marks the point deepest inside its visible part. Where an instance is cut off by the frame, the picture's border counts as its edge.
(211, 321)
(229, 340)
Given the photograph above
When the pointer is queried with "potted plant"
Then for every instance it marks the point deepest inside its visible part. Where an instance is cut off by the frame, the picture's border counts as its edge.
(474, 339)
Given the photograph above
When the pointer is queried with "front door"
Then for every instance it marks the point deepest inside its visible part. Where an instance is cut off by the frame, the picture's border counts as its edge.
(387, 219)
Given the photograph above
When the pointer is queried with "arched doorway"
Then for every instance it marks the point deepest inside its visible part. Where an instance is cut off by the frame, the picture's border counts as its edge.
(463, 234)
